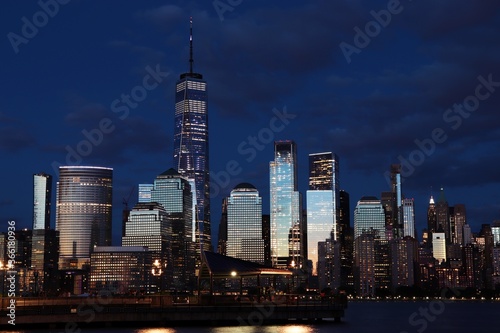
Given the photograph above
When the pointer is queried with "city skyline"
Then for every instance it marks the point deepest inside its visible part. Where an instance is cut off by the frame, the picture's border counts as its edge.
(368, 111)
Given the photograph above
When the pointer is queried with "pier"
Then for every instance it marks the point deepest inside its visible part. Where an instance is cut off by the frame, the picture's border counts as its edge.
(69, 313)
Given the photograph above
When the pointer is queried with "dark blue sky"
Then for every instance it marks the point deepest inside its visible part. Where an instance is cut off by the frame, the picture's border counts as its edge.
(366, 96)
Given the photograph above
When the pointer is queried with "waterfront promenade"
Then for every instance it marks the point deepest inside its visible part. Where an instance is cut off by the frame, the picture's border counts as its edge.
(72, 312)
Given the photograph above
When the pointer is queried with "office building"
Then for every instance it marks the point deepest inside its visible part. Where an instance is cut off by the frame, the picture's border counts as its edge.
(460, 220)
(286, 212)
(404, 261)
(42, 198)
(174, 193)
(83, 212)
(369, 216)
(191, 155)
(121, 270)
(409, 217)
(495, 230)
(443, 216)
(431, 216)
(244, 224)
(323, 202)
(148, 225)
(439, 246)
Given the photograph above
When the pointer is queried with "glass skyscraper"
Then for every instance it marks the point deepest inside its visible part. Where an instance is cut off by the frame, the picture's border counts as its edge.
(42, 193)
(409, 217)
(244, 224)
(83, 212)
(285, 201)
(369, 217)
(148, 225)
(322, 202)
(173, 192)
(191, 142)
(44, 249)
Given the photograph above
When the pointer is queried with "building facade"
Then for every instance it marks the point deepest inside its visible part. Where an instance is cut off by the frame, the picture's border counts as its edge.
(83, 212)
(244, 224)
(323, 201)
(123, 270)
(148, 225)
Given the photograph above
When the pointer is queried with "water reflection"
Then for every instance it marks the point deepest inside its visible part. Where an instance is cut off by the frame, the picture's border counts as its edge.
(156, 330)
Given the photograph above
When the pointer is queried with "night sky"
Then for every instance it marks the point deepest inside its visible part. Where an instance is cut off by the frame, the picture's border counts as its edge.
(373, 93)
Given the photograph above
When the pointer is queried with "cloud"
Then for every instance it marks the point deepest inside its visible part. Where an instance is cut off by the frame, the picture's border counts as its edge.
(15, 139)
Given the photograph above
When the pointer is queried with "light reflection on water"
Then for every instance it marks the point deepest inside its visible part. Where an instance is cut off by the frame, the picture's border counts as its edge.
(155, 330)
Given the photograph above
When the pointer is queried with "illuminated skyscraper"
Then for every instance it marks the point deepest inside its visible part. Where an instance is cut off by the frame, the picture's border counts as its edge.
(42, 194)
(45, 254)
(173, 192)
(397, 197)
(322, 202)
(83, 212)
(369, 217)
(244, 224)
(191, 142)
(148, 225)
(439, 246)
(409, 217)
(285, 201)
(431, 216)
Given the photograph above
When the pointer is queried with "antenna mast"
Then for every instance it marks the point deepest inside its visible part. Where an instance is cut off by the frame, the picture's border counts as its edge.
(191, 45)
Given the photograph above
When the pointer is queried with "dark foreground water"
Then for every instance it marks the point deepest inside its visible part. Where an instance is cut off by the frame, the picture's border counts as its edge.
(397, 317)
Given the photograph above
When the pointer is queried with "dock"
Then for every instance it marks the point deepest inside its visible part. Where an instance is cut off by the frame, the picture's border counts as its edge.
(166, 310)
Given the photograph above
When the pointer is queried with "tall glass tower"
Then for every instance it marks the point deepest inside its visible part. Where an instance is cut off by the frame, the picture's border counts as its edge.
(285, 201)
(322, 202)
(42, 193)
(83, 212)
(409, 217)
(369, 217)
(244, 224)
(191, 143)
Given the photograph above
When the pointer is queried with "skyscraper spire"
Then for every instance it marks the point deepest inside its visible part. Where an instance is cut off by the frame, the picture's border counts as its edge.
(191, 45)
(190, 73)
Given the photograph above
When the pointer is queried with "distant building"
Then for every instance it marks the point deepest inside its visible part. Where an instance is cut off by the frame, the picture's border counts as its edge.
(364, 264)
(431, 217)
(404, 261)
(439, 246)
(495, 230)
(346, 238)
(460, 222)
(83, 212)
(45, 241)
(222, 241)
(409, 217)
(244, 224)
(42, 201)
(443, 216)
(329, 264)
(121, 270)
